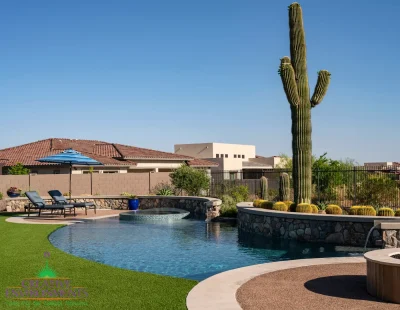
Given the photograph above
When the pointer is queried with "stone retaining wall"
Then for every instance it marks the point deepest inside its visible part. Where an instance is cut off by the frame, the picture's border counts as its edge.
(336, 229)
(199, 207)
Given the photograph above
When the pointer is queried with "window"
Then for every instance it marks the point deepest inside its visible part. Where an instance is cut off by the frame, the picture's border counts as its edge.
(232, 176)
(217, 155)
(222, 155)
(56, 171)
(110, 171)
(242, 156)
(235, 156)
(226, 155)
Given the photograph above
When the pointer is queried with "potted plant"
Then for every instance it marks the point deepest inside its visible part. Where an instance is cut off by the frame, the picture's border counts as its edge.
(13, 192)
(133, 201)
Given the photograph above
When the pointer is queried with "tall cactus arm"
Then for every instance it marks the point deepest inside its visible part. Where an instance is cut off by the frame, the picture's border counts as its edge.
(298, 48)
(288, 77)
(324, 77)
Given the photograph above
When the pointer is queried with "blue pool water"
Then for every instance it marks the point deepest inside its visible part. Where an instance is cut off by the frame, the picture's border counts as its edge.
(190, 249)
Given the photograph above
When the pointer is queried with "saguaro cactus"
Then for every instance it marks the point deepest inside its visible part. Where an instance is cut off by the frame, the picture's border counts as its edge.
(293, 72)
(284, 187)
(264, 188)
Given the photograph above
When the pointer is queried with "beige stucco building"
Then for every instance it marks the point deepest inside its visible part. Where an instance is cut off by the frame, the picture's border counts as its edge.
(231, 158)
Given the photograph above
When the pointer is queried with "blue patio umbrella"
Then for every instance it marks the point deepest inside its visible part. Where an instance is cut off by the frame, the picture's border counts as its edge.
(70, 157)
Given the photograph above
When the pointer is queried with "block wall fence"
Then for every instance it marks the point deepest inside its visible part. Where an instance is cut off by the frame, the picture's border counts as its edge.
(87, 184)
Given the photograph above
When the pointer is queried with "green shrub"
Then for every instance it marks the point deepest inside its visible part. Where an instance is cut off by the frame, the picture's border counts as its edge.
(354, 209)
(273, 194)
(266, 205)
(397, 213)
(18, 169)
(304, 208)
(314, 208)
(240, 193)
(165, 192)
(1, 195)
(280, 206)
(366, 211)
(333, 209)
(193, 181)
(385, 212)
(228, 211)
(257, 203)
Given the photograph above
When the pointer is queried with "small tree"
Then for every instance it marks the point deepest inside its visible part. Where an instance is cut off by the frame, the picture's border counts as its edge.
(191, 180)
(18, 169)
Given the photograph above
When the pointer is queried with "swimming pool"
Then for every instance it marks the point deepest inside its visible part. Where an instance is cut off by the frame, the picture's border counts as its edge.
(190, 249)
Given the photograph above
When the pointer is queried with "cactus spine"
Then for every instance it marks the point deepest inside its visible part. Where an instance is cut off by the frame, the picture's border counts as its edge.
(284, 187)
(264, 188)
(293, 72)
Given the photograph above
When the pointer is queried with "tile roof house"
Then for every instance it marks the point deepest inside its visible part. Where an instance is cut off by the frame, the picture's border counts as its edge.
(116, 158)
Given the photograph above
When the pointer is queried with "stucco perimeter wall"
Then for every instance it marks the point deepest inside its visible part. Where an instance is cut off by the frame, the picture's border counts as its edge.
(199, 207)
(336, 229)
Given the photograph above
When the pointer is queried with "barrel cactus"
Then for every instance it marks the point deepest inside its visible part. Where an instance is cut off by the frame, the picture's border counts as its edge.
(397, 213)
(353, 210)
(264, 188)
(266, 205)
(314, 208)
(288, 203)
(280, 206)
(293, 72)
(304, 208)
(385, 212)
(366, 211)
(257, 203)
(333, 209)
(284, 187)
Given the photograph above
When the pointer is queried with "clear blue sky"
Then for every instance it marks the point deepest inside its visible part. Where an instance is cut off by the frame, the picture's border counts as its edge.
(155, 73)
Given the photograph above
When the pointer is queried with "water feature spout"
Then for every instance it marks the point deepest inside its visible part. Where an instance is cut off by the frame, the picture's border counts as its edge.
(369, 234)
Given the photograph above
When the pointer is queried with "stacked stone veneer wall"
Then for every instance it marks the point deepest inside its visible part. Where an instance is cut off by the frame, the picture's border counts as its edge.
(335, 229)
(199, 207)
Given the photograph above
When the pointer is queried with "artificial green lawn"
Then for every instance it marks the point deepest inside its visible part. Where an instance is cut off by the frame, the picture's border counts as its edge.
(22, 248)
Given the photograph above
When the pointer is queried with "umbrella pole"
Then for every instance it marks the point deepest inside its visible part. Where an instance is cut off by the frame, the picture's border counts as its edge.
(70, 181)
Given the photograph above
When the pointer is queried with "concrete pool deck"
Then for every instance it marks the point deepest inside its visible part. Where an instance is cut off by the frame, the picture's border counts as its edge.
(56, 219)
(220, 291)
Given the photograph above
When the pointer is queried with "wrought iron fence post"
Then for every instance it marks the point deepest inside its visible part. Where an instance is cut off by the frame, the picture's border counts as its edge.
(354, 185)
(318, 187)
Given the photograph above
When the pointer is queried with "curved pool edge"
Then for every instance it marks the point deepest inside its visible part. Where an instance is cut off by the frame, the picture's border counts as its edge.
(219, 291)
(152, 215)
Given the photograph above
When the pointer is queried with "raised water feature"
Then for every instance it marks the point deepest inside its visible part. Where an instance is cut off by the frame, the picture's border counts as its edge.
(156, 214)
(383, 274)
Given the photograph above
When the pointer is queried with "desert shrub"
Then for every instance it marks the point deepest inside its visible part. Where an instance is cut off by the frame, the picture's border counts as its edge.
(280, 206)
(267, 205)
(304, 208)
(273, 194)
(366, 211)
(193, 181)
(375, 190)
(333, 209)
(163, 189)
(397, 213)
(18, 169)
(314, 208)
(292, 207)
(385, 212)
(257, 203)
(240, 193)
(353, 210)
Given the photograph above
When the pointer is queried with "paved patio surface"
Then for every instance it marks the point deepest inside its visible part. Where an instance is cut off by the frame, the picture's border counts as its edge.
(48, 218)
(337, 286)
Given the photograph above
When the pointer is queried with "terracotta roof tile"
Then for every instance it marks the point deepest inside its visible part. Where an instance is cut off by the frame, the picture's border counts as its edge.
(202, 163)
(104, 152)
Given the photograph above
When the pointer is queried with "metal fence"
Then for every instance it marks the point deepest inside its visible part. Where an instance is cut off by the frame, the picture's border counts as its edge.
(375, 186)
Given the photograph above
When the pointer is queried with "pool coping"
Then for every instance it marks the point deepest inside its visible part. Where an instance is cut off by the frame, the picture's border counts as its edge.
(219, 291)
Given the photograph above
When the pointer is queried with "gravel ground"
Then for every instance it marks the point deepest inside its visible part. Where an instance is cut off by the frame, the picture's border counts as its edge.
(339, 286)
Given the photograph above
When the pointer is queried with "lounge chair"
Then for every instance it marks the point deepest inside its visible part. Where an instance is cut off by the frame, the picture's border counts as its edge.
(37, 203)
(58, 198)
